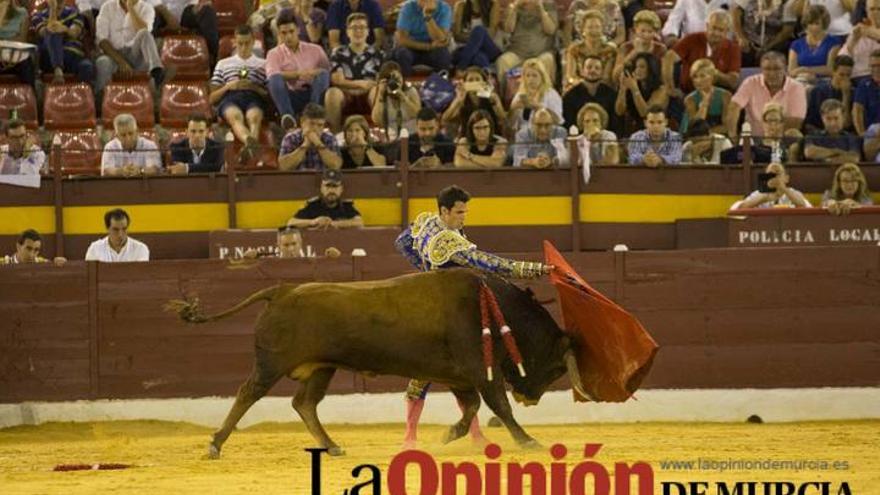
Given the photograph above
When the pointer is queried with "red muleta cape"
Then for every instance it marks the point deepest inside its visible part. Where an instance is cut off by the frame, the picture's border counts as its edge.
(614, 351)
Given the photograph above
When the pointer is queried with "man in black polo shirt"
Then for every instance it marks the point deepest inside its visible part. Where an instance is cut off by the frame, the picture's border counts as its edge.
(833, 145)
(590, 89)
(430, 148)
(328, 209)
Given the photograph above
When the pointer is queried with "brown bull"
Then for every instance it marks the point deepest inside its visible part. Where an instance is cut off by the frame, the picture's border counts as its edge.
(424, 326)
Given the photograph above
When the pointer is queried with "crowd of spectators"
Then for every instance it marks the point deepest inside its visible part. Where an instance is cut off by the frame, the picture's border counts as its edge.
(340, 86)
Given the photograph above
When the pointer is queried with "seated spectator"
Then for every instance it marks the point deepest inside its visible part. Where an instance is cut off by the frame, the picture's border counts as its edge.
(474, 27)
(866, 103)
(707, 102)
(536, 91)
(691, 16)
(353, 73)
(612, 27)
(196, 153)
(310, 147)
(541, 144)
(859, 12)
(872, 143)
(839, 11)
(89, 10)
(592, 121)
(475, 93)
(812, 55)
(760, 26)
(328, 209)
(395, 103)
(198, 16)
(713, 44)
(27, 250)
(832, 144)
(337, 18)
(238, 91)
(702, 146)
(128, 154)
(430, 148)
(758, 90)
(423, 28)
(838, 87)
(309, 20)
(14, 26)
(359, 150)
(21, 155)
(298, 72)
(778, 144)
(591, 44)
(862, 42)
(646, 25)
(288, 244)
(60, 31)
(640, 89)
(122, 32)
(849, 190)
(779, 194)
(117, 246)
(656, 144)
(480, 146)
(590, 89)
(532, 26)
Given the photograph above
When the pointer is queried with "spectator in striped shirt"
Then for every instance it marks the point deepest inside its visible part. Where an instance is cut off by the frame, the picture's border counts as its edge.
(238, 90)
(27, 250)
(60, 29)
(656, 144)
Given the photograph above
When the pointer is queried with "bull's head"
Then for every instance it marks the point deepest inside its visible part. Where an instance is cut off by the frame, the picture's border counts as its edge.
(547, 353)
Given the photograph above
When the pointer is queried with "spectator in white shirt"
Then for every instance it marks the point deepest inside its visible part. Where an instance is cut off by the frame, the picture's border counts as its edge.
(122, 32)
(129, 154)
(21, 156)
(777, 193)
(690, 16)
(117, 246)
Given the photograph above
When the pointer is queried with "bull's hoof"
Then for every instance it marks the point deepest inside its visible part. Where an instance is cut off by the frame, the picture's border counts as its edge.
(452, 434)
(335, 451)
(531, 444)
(213, 452)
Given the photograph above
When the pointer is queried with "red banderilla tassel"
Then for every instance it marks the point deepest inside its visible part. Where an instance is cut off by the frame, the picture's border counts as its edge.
(487, 334)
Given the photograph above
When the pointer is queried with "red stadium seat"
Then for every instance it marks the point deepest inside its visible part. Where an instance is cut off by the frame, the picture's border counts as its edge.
(189, 54)
(266, 159)
(69, 106)
(231, 14)
(180, 99)
(19, 99)
(128, 97)
(80, 151)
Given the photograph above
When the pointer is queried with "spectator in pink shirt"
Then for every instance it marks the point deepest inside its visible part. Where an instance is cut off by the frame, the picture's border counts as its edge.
(770, 85)
(298, 72)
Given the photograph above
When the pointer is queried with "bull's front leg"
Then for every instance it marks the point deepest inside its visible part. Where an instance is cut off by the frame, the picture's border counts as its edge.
(496, 398)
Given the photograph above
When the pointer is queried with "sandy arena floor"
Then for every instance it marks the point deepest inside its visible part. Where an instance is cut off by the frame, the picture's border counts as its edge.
(268, 458)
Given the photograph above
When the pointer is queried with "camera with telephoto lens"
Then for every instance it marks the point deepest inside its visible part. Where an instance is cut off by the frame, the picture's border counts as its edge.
(393, 86)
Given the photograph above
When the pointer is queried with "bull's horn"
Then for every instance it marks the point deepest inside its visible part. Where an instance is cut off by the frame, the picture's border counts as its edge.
(574, 375)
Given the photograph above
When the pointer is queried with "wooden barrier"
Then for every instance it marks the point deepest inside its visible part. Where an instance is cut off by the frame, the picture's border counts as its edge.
(513, 209)
(764, 318)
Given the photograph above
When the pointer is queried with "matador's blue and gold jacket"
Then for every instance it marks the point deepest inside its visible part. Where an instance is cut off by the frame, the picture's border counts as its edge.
(430, 245)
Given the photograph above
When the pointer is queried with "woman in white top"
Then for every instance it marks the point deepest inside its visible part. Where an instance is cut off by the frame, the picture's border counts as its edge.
(536, 91)
(703, 147)
(592, 120)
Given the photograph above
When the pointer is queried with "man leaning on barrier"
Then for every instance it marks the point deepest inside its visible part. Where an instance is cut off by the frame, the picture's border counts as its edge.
(27, 250)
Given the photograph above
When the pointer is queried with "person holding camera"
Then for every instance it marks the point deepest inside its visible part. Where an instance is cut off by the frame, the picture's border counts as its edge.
(238, 89)
(535, 92)
(532, 25)
(475, 93)
(394, 103)
(430, 148)
(849, 190)
(423, 28)
(640, 89)
(773, 191)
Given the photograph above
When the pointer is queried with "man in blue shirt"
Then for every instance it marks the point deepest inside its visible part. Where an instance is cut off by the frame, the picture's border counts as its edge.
(655, 145)
(337, 16)
(866, 110)
(839, 87)
(423, 28)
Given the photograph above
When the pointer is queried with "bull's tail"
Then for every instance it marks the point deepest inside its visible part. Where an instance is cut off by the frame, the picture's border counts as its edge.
(190, 311)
